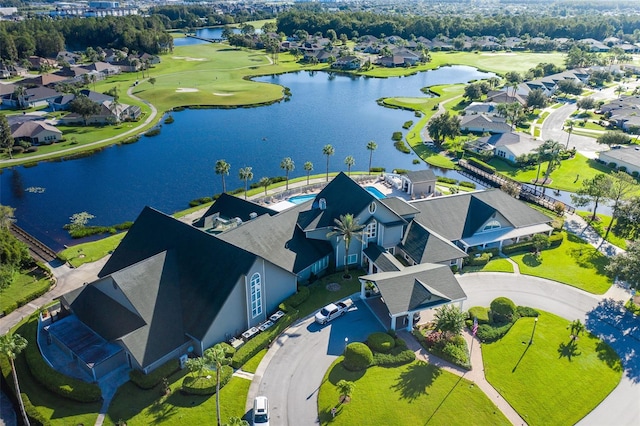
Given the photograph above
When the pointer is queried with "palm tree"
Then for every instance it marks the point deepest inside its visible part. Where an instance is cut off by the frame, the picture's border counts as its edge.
(217, 356)
(553, 149)
(345, 389)
(237, 421)
(576, 327)
(371, 146)
(246, 175)
(222, 169)
(10, 346)
(328, 150)
(308, 167)
(349, 161)
(288, 166)
(265, 182)
(348, 228)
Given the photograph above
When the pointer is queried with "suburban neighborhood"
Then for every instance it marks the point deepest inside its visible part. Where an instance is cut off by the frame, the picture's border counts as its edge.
(476, 245)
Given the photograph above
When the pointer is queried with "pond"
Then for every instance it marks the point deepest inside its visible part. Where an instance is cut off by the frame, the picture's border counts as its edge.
(211, 33)
(169, 170)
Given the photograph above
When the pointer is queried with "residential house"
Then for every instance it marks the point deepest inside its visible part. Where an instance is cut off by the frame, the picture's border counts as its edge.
(38, 63)
(7, 71)
(507, 145)
(36, 132)
(68, 57)
(623, 156)
(6, 89)
(165, 295)
(31, 98)
(481, 123)
(47, 80)
(347, 63)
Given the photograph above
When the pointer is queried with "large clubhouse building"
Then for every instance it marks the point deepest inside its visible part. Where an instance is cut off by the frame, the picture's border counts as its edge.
(172, 288)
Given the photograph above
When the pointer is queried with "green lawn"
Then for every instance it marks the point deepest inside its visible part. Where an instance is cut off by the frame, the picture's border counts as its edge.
(600, 226)
(550, 382)
(498, 62)
(91, 251)
(319, 296)
(494, 265)
(413, 394)
(567, 177)
(574, 262)
(147, 407)
(26, 284)
(252, 365)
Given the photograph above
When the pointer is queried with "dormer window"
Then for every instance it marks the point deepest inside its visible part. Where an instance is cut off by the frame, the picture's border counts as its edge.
(493, 224)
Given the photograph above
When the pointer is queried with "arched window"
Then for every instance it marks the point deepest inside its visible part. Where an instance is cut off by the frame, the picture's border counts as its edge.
(371, 230)
(372, 207)
(256, 295)
(494, 224)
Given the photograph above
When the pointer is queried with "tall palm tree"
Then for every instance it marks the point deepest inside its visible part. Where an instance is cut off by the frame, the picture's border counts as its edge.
(328, 150)
(265, 182)
(222, 169)
(246, 175)
(349, 161)
(348, 228)
(308, 167)
(553, 149)
(287, 165)
(10, 346)
(217, 356)
(371, 146)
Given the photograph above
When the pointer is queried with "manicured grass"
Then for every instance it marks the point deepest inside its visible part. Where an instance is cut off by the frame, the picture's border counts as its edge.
(252, 365)
(494, 265)
(574, 262)
(554, 381)
(413, 394)
(91, 251)
(498, 62)
(147, 407)
(26, 284)
(567, 177)
(319, 296)
(600, 226)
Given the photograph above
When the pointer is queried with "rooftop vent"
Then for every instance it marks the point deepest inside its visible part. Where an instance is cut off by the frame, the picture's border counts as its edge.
(253, 215)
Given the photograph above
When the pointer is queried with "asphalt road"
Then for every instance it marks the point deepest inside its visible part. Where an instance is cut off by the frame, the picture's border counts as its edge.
(300, 360)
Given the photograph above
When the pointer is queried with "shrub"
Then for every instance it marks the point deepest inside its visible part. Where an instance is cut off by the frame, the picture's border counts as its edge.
(357, 356)
(455, 354)
(612, 165)
(632, 307)
(407, 124)
(503, 309)
(297, 299)
(447, 180)
(482, 165)
(468, 184)
(61, 384)
(381, 342)
(255, 345)
(525, 311)
(478, 260)
(229, 351)
(481, 313)
(397, 356)
(153, 379)
(377, 169)
(397, 136)
(432, 338)
(206, 386)
(152, 132)
(402, 147)
(415, 161)
(489, 333)
(199, 201)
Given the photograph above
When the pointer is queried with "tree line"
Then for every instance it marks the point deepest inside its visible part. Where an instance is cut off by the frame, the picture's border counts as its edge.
(47, 37)
(355, 24)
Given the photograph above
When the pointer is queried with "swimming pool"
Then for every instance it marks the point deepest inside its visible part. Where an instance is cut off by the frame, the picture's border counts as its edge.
(299, 199)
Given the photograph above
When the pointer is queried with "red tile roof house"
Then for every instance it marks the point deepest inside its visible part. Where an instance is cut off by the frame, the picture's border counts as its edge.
(163, 295)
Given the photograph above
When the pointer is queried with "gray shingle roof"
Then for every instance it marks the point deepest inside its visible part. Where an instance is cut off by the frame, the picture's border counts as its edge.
(425, 246)
(417, 176)
(229, 206)
(399, 206)
(461, 215)
(383, 260)
(417, 287)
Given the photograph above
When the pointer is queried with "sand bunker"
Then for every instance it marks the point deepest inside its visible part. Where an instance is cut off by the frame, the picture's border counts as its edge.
(188, 58)
(223, 94)
(186, 90)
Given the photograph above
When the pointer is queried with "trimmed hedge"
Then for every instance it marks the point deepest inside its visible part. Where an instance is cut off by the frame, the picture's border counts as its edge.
(503, 308)
(489, 333)
(482, 165)
(397, 356)
(525, 311)
(481, 260)
(35, 417)
(206, 386)
(357, 356)
(262, 340)
(56, 382)
(481, 313)
(297, 299)
(555, 240)
(26, 299)
(153, 379)
(381, 342)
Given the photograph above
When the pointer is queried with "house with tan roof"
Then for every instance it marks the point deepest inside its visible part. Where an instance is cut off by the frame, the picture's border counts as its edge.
(36, 132)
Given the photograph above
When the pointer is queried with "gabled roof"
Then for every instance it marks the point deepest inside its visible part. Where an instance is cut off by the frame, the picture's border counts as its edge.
(279, 240)
(417, 287)
(384, 260)
(399, 206)
(205, 280)
(418, 176)
(425, 246)
(29, 129)
(458, 216)
(342, 196)
(229, 206)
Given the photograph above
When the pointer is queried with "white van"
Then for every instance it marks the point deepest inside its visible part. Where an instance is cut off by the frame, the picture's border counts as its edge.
(261, 411)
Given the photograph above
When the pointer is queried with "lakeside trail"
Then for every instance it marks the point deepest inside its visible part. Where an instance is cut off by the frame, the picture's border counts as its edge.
(152, 116)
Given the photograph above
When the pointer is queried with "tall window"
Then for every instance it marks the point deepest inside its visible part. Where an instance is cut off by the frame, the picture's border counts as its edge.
(256, 295)
(370, 231)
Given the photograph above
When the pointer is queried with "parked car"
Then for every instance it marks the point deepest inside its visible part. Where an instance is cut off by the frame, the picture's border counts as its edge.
(331, 311)
(261, 411)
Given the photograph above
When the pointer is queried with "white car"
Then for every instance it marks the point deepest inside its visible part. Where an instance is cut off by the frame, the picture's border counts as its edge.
(261, 411)
(331, 311)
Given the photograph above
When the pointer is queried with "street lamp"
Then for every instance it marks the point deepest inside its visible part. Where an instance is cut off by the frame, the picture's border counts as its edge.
(346, 342)
(534, 331)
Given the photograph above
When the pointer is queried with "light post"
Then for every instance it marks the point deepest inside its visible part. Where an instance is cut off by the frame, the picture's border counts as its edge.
(346, 342)
(534, 331)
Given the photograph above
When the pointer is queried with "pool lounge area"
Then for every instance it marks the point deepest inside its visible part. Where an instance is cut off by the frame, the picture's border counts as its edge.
(299, 199)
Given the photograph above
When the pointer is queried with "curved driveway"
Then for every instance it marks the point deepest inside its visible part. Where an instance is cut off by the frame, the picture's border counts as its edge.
(292, 371)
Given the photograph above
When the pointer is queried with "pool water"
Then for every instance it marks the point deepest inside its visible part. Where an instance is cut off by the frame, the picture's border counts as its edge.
(299, 199)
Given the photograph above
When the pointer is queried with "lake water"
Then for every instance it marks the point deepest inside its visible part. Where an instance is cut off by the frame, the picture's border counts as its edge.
(169, 170)
(212, 33)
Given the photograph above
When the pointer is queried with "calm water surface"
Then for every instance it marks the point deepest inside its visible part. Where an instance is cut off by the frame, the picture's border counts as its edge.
(169, 170)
